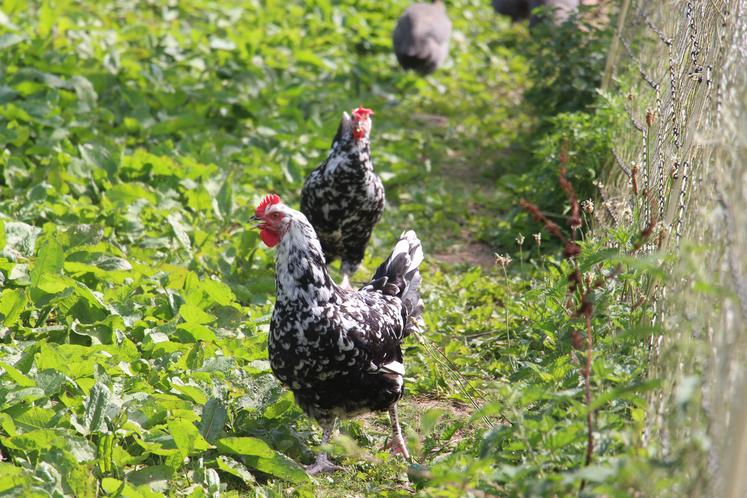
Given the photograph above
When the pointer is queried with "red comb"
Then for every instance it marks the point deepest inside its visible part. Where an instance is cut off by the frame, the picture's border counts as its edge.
(362, 113)
(269, 200)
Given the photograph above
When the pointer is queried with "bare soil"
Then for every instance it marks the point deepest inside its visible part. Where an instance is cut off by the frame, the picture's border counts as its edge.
(471, 252)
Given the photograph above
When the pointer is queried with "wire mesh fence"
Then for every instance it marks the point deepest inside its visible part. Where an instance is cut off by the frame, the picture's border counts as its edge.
(682, 164)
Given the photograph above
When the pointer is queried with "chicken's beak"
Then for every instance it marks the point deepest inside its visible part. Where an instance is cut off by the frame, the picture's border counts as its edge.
(255, 221)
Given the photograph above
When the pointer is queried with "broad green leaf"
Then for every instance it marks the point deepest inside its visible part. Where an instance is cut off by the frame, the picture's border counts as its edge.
(235, 468)
(125, 194)
(101, 265)
(180, 230)
(23, 395)
(559, 438)
(7, 425)
(47, 19)
(95, 408)
(201, 200)
(224, 200)
(100, 332)
(192, 392)
(19, 274)
(72, 360)
(9, 39)
(195, 357)
(20, 240)
(50, 259)
(64, 287)
(213, 419)
(186, 437)
(155, 477)
(111, 263)
(86, 383)
(36, 440)
(310, 58)
(83, 235)
(33, 417)
(84, 292)
(192, 314)
(54, 284)
(219, 292)
(14, 478)
(162, 444)
(245, 446)
(85, 91)
(197, 332)
(95, 154)
(279, 407)
(105, 453)
(82, 480)
(12, 303)
(118, 488)
(257, 454)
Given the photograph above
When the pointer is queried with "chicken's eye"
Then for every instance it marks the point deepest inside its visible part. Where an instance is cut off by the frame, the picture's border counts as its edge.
(276, 216)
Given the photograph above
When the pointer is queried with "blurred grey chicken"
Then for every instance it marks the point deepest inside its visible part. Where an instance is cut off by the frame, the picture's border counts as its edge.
(515, 9)
(558, 10)
(421, 37)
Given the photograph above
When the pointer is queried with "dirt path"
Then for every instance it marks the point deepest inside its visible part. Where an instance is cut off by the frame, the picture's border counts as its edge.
(468, 182)
(470, 252)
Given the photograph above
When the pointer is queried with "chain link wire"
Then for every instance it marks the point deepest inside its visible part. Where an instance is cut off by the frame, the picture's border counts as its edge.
(683, 71)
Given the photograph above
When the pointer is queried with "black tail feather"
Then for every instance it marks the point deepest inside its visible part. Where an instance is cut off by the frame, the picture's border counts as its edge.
(399, 276)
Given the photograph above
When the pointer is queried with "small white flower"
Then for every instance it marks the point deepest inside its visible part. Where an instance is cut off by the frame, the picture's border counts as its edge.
(588, 206)
(502, 260)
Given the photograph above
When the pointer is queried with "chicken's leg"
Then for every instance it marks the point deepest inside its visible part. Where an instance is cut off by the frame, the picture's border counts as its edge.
(322, 463)
(397, 444)
(345, 284)
(348, 270)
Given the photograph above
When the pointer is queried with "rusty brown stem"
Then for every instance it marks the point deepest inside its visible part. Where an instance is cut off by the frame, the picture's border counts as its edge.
(587, 386)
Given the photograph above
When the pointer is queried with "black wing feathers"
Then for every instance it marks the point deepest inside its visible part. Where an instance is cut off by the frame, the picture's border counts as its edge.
(399, 276)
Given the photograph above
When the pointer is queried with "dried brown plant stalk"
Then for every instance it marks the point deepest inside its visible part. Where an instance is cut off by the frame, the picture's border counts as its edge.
(587, 382)
(576, 287)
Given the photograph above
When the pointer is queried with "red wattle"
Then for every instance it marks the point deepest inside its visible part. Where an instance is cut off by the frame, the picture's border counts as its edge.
(271, 239)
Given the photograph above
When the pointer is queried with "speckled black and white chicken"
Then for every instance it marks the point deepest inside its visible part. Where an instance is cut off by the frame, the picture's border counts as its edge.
(339, 350)
(343, 198)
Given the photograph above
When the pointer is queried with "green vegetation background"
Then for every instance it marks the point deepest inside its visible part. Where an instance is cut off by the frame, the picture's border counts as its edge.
(137, 138)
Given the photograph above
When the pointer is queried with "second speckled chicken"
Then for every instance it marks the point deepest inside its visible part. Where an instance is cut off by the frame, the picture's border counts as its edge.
(344, 198)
